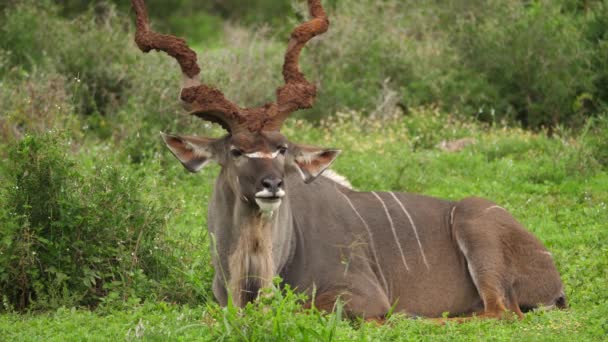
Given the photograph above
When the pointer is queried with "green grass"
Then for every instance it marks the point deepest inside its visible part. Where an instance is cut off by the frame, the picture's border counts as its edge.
(167, 322)
(554, 186)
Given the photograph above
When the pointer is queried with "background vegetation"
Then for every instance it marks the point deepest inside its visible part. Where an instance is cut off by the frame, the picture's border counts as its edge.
(101, 227)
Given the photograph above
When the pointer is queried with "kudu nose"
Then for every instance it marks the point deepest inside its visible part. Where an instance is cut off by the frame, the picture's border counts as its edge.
(272, 184)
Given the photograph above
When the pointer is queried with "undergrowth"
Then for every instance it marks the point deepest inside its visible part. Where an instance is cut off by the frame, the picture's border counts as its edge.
(555, 186)
(78, 232)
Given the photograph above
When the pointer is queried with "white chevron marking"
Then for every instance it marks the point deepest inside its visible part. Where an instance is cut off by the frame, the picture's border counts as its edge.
(390, 220)
(413, 228)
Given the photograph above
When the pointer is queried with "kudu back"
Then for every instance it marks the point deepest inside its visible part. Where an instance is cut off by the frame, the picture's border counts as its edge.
(273, 212)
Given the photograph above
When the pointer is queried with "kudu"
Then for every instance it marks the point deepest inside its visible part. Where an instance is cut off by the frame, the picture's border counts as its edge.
(373, 250)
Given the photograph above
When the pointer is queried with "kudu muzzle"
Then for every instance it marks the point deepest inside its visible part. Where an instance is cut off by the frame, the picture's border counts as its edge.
(271, 194)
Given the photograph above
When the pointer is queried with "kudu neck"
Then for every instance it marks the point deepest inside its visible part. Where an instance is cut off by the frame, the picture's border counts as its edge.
(276, 228)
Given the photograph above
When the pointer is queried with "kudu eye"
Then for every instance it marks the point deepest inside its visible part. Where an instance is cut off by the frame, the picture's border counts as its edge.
(235, 152)
(282, 150)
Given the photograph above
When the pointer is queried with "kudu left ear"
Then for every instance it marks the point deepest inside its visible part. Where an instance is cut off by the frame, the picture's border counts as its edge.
(312, 161)
(193, 152)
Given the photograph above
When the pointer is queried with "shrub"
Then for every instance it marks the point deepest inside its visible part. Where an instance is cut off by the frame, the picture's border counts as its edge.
(530, 63)
(532, 58)
(68, 237)
(23, 32)
(91, 49)
(167, 13)
(539, 63)
(596, 33)
(36, 103)
(361, 57)
(87, 67)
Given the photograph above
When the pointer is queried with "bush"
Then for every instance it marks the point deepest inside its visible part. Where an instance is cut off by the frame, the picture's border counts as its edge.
(90, 49)
(534, 57)
(36, 103)
(539, 63)
(68, 237)
(596, 33)
(359, 55)
(535, 63)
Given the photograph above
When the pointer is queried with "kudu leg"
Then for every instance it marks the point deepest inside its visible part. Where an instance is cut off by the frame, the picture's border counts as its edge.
(481, 239)
(367, 300)
(509, 266)
(495, 308)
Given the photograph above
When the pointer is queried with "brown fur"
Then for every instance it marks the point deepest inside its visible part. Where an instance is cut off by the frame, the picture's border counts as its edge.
(503, 258)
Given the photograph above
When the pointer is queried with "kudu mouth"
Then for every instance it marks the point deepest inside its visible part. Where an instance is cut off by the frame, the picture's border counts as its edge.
(269, 201)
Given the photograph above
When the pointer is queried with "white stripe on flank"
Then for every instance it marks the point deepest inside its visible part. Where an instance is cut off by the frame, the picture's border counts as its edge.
(547, 253)
(413, 228)
(371, 238)
(452, 216)
(390, 220)
(494, 207)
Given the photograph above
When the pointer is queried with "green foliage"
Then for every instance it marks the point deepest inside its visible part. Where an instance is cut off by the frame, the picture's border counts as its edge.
(279, 314)
(21, 31)
(250, 11)
(534, 57)
(70, 236)
(596, 33)
(537, 64)
(35, 103)
(359, 57)
(90, 49)
(200, 28)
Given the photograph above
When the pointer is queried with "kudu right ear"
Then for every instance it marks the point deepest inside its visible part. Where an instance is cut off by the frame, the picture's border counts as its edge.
(312, 161)
(193, 152)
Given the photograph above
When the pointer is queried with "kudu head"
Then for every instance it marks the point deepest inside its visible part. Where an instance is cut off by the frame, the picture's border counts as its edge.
(255, 157)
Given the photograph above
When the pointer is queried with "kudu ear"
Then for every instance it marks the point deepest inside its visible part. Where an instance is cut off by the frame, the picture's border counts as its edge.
(312, 161)
(193, 152)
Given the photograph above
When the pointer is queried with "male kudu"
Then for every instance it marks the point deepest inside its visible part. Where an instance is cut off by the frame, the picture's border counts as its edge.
(374, 250)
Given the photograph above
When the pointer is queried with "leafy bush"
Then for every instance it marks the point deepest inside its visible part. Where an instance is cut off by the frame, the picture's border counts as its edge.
(167, 13)
(596, 33)
(91, 49)
(533, 56)
(68, 237)
(36, 103)
(358, 54)
(538, 63)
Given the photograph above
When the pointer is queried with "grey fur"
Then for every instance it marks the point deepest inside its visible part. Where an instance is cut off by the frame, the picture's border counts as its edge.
(318, 242)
